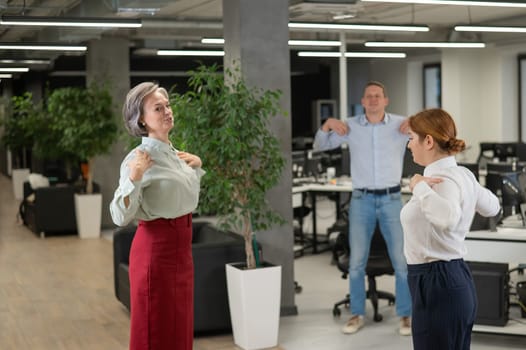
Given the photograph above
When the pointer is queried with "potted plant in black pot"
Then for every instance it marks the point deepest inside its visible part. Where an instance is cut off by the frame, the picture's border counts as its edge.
(226, 123)
(85, 119)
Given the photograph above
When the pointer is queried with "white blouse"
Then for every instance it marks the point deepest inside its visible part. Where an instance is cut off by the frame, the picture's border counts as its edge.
(436, 219)
(169, 189)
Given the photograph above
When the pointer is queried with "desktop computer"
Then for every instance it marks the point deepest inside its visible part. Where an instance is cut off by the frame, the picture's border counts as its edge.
(491, 283)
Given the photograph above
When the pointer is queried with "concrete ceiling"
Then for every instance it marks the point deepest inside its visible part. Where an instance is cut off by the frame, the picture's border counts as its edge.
(182, 23)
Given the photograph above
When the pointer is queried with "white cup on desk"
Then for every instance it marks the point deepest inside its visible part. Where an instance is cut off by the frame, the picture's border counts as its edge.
(331, 173)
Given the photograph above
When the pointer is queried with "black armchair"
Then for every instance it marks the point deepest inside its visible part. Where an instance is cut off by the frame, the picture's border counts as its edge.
(52, 209)
(212, 249)
(377, 265)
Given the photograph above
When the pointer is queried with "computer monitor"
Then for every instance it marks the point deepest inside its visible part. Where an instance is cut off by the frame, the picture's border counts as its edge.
(501, 151)
(500, 167)
(520, 151)
(314, 163)
(494, 178)
(504, 151)
(513, 191)
(339, 159)
(298, 163)
(323, 109)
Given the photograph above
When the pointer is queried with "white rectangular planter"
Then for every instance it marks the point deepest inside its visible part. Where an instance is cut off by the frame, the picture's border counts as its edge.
(18, 177)
(88, 212)
(254, 297)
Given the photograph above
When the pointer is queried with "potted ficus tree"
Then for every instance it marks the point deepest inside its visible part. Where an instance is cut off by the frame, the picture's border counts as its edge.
(18, 136)
(85, 119)
(226, 123)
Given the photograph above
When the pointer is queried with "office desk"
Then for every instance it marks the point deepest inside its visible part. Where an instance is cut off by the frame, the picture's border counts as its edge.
(507, 245)
(313, 189)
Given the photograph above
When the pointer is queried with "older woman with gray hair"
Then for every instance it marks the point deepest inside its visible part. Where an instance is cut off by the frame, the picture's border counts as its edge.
(159, 186)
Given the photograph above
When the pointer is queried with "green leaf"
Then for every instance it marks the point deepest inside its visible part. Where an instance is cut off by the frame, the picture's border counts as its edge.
(227, 125)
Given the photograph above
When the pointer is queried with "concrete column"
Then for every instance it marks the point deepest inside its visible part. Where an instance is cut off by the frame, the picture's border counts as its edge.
(256, 40)
(107, 62)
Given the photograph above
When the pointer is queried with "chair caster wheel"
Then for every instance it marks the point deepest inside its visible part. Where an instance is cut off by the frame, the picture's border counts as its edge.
(336, 312)
(378, 318)
(297, 287)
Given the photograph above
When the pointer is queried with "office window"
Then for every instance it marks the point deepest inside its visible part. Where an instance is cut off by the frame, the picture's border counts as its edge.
(522, 97)
(432, 86)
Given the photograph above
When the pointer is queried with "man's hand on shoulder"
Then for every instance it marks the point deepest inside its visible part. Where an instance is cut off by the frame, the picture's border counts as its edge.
(404, 127)
(336, 125)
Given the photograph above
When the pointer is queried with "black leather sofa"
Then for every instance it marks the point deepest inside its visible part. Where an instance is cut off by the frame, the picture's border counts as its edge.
(211, 249)
(52, 209)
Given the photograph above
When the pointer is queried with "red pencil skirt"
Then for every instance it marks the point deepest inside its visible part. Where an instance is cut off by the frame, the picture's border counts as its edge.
(162, 285)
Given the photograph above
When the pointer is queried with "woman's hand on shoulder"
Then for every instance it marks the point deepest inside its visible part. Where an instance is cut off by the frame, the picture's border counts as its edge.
(419, 178)
(190, 159)
(139, 164)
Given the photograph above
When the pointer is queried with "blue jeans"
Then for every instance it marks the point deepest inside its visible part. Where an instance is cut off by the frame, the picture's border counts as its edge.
(365, 210)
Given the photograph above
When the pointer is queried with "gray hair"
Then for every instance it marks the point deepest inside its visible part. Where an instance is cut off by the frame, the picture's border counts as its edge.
(133, 107)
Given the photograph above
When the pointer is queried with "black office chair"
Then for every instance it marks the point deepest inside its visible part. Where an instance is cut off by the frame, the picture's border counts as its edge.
(377, 265)
(299, 215)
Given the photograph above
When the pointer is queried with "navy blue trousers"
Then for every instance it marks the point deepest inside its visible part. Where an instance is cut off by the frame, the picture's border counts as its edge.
(444, 305)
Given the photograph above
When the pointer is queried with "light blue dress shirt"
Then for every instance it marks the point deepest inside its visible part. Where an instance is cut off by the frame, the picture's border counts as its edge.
(376, 150)
(169, 189)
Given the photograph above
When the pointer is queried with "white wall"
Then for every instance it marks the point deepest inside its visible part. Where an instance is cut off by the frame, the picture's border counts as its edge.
(393, 74)
(472, 94)
(479, 89)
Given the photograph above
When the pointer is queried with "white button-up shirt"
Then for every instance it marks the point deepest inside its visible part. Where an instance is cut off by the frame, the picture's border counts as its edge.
(437, 219)
(169, 189)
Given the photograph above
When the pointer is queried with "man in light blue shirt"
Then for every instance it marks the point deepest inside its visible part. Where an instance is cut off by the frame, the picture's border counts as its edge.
(377, 141)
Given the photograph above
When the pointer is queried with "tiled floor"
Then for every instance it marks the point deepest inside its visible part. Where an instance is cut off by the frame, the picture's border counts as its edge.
(57, 293)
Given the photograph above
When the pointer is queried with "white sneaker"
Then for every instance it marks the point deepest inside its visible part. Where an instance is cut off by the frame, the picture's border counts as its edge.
(405, 325)
(353, 325)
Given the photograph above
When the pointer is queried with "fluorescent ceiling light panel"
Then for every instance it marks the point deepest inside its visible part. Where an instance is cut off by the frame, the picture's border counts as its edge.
(494, 29)
(314, 43)
(425, 44)
(341, 26)
(189, 53)
(24, 61)
(70, 22)
(6, 76)
(457, 2)
(42, 47)
(353, 54)
(14, 69)
(214, 41)
(145, 10)
(221, 41)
